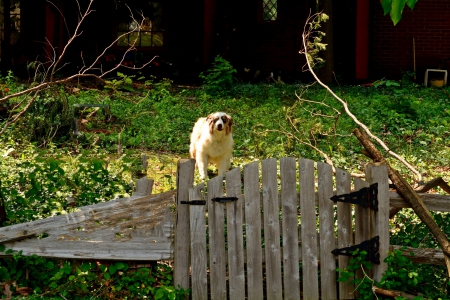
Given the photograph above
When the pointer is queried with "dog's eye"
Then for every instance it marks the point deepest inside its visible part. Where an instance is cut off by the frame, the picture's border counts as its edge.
(224, 119)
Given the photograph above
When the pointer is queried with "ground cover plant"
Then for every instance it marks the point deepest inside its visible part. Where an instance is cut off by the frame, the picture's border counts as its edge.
(43, 163)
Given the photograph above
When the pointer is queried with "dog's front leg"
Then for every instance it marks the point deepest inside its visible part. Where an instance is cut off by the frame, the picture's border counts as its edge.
(223, 166)
(202, 164)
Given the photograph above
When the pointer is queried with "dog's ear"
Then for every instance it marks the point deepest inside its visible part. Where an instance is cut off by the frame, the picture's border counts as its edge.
(210, 120)
(229, 123)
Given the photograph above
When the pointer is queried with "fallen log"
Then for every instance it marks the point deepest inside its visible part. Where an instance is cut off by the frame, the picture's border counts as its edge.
(408, 193)
(392, 293)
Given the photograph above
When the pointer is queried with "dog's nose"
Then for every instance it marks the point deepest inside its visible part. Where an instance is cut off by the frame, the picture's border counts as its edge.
(219, 127)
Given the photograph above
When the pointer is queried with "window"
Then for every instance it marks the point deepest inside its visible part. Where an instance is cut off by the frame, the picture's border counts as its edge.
(269, 10)
(148, 33)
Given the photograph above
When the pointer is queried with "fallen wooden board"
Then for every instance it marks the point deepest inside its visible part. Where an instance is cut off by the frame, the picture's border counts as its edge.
(422, 255)
(433, 202)
(136, 228)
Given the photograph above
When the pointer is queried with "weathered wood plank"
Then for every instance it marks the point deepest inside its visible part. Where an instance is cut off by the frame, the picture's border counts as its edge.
(289, 204)
(433, 202)
(185, 181)
(253, 231)
(217, 254)
(422, 255)
(98, 221)
(379, 174)
(309, 231)
(344, 221)
(235, 235)
(271, 229)
(363, 217)
(327, 238)
(140, 251)
(199, 278)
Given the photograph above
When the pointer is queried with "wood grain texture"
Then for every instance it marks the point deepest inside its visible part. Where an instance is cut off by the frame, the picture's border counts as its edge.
(326, 229)
(235, 235)
(271, 229)
(289, 204)
(309, 231)
(217, 255)
(344, 221)
(199, 278)
(252, 211)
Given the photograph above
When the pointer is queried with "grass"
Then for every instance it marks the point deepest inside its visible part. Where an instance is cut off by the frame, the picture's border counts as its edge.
(41, 160)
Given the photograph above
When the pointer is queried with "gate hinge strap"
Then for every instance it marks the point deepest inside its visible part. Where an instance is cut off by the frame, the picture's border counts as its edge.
(372, 247)
(224, 199)
(194, 202)
(366, 197)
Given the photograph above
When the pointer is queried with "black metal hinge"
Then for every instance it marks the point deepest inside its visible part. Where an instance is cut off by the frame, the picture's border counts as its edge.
(366, 197)
(372, 247)
(224, 199)
(194, 202)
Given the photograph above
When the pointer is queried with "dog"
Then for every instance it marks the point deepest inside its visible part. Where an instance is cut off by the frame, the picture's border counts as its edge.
(212, 142)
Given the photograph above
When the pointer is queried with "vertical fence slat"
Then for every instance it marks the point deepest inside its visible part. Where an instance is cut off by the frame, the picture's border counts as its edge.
(185, 181)
(344, 221)
(235, 237)
(327, 238)
(289, 203)
(271, 229)
(216, 226)
(253, 231)
(199, 279)
(379, 174)
(363, 219)
(309, 233)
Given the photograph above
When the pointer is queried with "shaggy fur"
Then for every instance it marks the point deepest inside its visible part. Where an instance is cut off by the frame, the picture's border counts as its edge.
(212, 142)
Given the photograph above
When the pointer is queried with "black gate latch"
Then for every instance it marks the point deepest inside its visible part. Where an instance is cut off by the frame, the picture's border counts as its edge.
(193, 202)
(224, 199)
(366, 197)
(372, 247)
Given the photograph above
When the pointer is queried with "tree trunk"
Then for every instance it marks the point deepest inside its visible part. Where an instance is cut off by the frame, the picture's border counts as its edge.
(6, 42)
(408, 193)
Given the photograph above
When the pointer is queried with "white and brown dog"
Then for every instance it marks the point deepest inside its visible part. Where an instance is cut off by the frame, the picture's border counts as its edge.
(212, 142)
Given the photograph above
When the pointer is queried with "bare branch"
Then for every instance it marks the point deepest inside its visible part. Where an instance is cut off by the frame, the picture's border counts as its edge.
(306, 35)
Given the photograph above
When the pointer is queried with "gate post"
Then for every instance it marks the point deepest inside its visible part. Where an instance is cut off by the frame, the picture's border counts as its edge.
(185, 181)
(378, 173)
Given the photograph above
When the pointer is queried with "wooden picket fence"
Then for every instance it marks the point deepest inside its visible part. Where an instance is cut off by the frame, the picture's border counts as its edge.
(275, 239)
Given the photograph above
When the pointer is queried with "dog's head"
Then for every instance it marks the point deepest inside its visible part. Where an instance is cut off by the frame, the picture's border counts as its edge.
(219, 121)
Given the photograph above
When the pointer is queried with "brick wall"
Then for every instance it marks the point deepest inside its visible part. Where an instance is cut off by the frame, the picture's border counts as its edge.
(392, 46)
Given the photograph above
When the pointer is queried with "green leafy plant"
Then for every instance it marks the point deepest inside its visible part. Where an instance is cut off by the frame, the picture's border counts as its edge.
(219, 77)
(46, 278)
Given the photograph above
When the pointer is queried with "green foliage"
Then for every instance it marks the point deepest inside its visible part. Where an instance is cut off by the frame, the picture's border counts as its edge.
(395, 8)
(124, 82)
(39, 186)
(49, 278)
(220, 77)
(38, 171)
(314, 40)
(401, 275)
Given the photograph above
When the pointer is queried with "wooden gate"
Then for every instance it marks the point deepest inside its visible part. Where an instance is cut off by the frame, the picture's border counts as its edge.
(268, 232)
